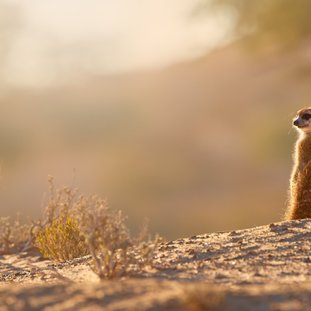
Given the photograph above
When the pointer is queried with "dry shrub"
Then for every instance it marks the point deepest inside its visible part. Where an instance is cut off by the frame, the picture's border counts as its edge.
(14, 235)
(61, 240)
(113, 249)
(58, 236)
(78, 225)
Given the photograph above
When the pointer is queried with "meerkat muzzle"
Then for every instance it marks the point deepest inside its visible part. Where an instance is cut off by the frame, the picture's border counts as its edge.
(299, 122)
(295, 122)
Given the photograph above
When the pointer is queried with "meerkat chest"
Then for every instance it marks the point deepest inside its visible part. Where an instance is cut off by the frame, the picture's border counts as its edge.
(303, 152)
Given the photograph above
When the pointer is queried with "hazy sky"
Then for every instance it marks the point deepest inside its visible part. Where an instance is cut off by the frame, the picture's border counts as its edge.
(58, 40)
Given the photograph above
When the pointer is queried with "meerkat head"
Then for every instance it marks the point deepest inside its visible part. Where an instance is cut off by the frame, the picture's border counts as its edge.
(303, 120)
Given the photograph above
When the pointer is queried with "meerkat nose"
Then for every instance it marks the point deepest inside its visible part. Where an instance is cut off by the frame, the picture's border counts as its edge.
(296, 122)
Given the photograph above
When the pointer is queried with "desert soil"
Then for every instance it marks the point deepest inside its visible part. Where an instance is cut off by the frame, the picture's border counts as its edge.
(262, 268)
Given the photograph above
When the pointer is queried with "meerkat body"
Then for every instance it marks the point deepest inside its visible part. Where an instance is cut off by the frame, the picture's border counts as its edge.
(300, 182)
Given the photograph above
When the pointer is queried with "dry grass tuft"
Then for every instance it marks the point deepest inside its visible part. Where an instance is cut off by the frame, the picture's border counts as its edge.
(14, 235)
(111, 245)
(61, 240)
(58, 235)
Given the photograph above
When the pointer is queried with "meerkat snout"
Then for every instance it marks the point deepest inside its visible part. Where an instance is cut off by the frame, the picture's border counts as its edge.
(296, 122)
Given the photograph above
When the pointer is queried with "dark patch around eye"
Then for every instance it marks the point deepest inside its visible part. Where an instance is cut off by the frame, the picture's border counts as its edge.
(306, 116)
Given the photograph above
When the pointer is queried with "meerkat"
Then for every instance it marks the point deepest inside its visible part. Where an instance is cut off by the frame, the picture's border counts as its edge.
(300, 181)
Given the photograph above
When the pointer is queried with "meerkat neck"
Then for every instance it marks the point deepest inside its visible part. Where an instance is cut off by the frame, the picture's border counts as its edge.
(304, 137)
(305, 134)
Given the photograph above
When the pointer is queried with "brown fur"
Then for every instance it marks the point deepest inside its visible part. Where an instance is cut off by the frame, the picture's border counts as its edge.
(300, 183)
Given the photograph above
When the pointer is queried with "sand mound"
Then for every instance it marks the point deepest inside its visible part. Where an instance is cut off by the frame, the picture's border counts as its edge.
(262, 268)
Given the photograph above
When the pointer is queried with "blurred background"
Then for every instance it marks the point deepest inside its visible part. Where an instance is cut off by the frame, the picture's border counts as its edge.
(175, 110)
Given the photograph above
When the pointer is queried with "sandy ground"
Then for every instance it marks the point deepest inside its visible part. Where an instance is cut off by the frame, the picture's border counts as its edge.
(262, 268)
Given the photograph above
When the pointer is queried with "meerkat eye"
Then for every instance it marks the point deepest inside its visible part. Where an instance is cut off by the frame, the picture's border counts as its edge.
(306, 117)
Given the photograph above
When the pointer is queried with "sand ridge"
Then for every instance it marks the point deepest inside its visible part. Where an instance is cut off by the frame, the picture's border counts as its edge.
(269, 265)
